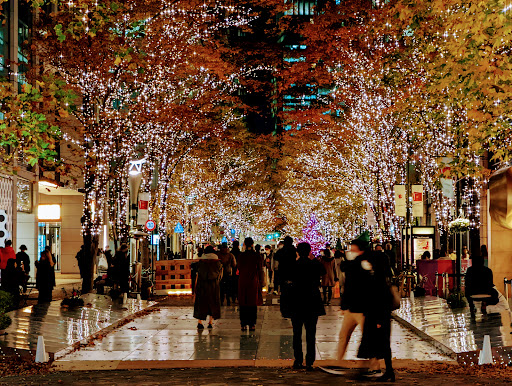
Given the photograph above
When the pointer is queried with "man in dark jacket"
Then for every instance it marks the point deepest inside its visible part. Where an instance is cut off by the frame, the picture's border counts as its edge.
(287, 258)
(479, 281)
(23, 259)
(355, 297)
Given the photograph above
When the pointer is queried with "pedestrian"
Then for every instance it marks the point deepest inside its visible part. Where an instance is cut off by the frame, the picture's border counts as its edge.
(13, 279)
(479, 281)
(376, 339)
(81, 259)
(339, 261)
(286, 256)
(269, 262)
(465, 253)
(329, 278)
(23, 262)
(355, 294)
(207, 292)
(425, 255)
(250, 282)
(122, 269)
(45, 277)
(305, 304)
(6, 253)
(228, 266)
(275, 268)
(235, 251)
(388, 250)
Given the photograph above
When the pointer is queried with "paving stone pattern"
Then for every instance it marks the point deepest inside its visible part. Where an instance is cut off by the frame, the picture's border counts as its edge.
(62, 327)
(170, 333)
(455, 328)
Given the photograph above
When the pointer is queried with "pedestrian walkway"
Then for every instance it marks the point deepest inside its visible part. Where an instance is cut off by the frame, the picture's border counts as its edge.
(455, 329)
(62, 327)
(170, 334)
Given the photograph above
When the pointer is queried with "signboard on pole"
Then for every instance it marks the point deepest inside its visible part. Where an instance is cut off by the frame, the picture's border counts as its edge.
(400, 201)
(143, 206)
(370, 216)
(150, 225)
(417, 200)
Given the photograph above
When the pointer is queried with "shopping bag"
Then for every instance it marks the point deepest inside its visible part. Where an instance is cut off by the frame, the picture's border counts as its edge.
(337, 290)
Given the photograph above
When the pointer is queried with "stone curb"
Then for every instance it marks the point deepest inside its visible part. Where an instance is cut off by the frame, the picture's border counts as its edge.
(64, 365)
(423, 335)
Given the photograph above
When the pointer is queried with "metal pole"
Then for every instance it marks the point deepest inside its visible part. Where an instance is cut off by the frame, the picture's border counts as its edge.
(408, 214)
(458, 241)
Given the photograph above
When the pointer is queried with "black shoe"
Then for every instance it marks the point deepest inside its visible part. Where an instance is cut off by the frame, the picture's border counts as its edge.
(370, 374)
(200, 326)
(298, 366)
(386, 377)
(309, 368)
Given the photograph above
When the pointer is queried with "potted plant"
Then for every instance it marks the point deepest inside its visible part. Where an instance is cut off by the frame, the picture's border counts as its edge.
(6, 302)
(74, 300)
(456, 300)
(459, 225)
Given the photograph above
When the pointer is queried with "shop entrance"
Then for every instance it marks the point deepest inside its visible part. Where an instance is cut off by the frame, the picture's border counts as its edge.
(49, 235)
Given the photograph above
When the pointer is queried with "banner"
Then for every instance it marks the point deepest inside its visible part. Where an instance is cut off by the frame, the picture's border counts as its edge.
(400, 202)
(417, 200)
(143, 208)
(447, 188)
(370, 216)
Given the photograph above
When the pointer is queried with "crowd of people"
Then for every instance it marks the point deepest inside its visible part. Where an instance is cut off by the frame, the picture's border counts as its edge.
(305, 284)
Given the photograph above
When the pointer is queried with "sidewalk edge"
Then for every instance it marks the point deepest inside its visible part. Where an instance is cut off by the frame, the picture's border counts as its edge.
(423, 335)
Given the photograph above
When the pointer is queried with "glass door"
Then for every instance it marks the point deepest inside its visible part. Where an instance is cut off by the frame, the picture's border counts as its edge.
(49, 236)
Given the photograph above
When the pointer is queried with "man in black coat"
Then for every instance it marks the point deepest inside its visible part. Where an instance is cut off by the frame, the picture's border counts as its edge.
(287, 258)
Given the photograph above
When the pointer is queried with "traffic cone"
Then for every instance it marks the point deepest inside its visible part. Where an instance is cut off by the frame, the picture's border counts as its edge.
(41, 354)
(485, 357)
(411, 296)
(125, 297)
(138, 297)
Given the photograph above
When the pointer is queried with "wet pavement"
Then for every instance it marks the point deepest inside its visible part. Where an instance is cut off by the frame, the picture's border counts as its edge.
(455, 328)
(171, 334)
(62, 327)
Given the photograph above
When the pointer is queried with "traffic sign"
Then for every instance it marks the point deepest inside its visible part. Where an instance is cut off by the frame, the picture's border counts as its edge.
(150, 225)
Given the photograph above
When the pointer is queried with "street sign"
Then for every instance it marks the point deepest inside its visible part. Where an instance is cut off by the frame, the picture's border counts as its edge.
(179, 228)
(150, 225)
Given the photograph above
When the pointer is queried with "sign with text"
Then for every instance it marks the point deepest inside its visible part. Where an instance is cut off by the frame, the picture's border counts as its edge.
(417, 200)
(400, 201)
(143, 212)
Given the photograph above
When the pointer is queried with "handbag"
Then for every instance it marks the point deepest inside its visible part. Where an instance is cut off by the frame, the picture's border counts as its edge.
(395, 297)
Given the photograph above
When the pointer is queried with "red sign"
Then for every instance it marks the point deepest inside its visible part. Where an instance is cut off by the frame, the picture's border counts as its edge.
(150, 225)
(143, 204)
(417, 196)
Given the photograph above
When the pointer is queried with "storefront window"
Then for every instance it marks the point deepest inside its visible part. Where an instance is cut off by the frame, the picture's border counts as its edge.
(24, 196)
(49, 236)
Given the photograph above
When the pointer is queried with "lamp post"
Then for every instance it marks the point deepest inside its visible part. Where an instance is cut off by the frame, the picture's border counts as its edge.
(134, 181)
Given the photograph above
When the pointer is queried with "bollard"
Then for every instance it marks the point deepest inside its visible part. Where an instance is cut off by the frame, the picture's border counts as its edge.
(138, 297)
(41, 354)
(125, 297)
(485, 357)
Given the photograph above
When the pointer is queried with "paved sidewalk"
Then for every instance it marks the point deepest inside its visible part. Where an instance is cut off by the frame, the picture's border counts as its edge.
(62, 327)
(169, 337)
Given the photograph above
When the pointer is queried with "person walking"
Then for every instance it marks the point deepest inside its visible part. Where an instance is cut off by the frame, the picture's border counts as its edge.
(250, 282)
(275, 268)
(12, 281)
(6, 253)
(122, 269)
(305, 304)
(287, 257)
(207, 292)
(235, 251)
(376, 339)
(355, 297)
(23, 262)
(329, 278)
(269, 262)
(45, 277)
(228, 266)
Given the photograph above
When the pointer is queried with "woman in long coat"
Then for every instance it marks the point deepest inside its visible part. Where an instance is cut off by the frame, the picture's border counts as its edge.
(207, 292)
(330, 274)
(376, 339)
(45, 277)
(250, 281)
